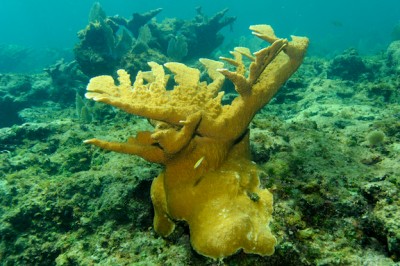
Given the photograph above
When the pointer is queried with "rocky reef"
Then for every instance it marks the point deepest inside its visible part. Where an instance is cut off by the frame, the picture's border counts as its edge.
(348, 66)
(58, 83)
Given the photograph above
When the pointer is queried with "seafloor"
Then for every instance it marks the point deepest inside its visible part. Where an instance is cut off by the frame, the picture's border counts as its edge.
(328, 147)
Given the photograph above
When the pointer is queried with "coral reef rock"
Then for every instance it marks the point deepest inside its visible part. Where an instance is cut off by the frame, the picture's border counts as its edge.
(347, 66)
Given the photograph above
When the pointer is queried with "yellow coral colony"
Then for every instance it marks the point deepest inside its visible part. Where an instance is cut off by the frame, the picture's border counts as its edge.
(209, 180)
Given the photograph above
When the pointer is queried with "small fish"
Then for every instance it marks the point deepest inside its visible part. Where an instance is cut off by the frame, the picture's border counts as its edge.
(337, 23)
(197, 164)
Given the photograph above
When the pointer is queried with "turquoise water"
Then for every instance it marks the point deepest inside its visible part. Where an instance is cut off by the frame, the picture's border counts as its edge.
(331, 25)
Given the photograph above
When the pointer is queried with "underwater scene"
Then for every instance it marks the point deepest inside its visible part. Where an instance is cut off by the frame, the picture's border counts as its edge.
(200, 132)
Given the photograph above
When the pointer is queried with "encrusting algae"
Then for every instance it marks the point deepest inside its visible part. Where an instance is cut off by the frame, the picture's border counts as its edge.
(209, 180)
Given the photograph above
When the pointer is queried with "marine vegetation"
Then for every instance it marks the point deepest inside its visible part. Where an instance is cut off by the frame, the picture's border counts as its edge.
(209, 180)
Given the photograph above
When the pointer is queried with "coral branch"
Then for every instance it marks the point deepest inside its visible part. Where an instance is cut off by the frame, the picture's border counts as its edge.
(142, 145)
(140, 19)
(173, 140)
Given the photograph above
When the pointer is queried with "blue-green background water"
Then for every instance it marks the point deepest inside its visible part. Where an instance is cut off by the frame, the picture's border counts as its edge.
(332, 26)
(55, 23)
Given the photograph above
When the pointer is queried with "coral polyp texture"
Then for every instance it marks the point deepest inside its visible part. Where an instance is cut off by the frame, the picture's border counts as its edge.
(209, 180)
